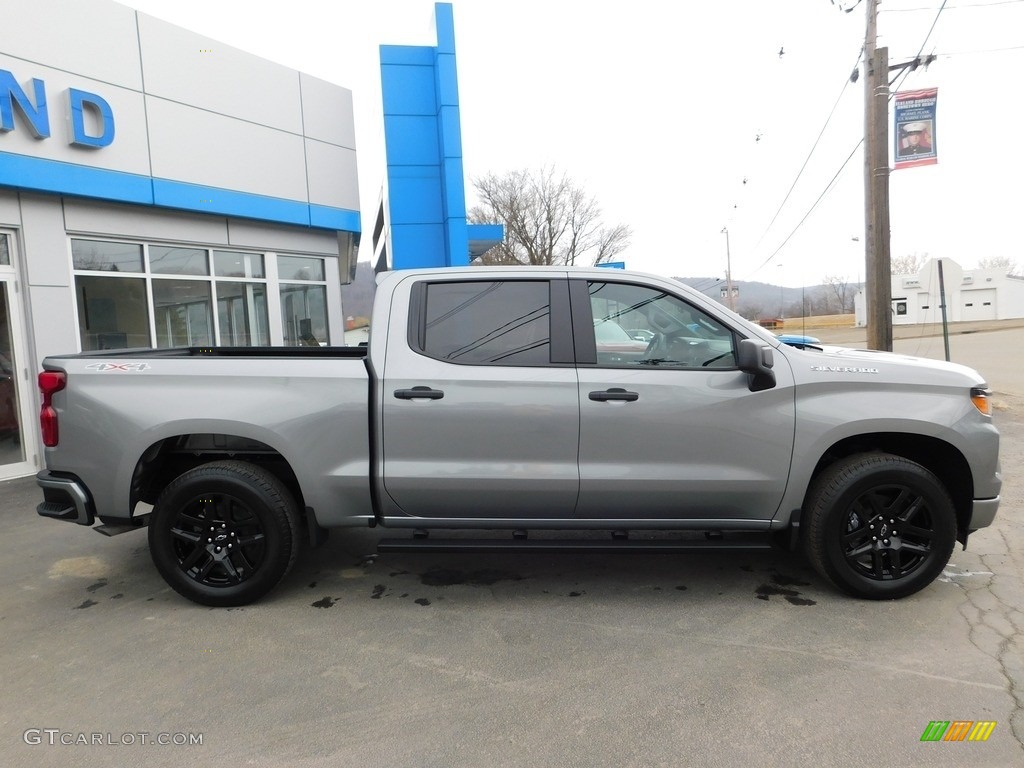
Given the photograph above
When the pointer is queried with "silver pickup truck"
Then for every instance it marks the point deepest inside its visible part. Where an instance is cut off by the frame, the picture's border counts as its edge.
(538, 402)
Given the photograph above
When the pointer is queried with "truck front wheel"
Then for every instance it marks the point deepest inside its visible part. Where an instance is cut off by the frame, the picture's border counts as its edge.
(224, 533)
(879, 526)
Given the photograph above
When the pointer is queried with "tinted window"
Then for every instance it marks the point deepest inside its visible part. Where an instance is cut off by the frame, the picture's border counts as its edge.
(498, 323)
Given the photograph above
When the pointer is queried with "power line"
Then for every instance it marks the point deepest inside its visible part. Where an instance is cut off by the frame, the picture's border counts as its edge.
(800, 223)
(951, 7)
(948, 54)
(846, 83)
(906, 72)
(931, 29)
(832, 182)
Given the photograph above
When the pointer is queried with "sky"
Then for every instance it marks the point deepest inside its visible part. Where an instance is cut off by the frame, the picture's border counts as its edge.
(683, 119)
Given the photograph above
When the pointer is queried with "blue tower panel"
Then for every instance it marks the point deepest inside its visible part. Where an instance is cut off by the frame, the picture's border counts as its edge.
(410, 140)
(454, 188)
(417, 245)
(415, 196)
(451, 133)
(447, 81)
(408, 90)
(423, 142)
(444, 20)
(458, 243)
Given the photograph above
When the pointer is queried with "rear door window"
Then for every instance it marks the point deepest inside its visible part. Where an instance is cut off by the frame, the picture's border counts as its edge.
(493, 322)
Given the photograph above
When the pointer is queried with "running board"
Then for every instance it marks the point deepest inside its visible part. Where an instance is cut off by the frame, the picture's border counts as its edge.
(669, 546)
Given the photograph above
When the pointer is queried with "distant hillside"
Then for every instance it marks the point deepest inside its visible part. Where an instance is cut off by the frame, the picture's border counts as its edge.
(754, 300)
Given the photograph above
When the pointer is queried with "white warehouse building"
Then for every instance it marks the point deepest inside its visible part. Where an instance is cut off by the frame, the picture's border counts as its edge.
(971, 295)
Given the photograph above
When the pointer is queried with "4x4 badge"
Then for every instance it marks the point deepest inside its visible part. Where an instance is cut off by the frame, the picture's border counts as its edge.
(118, 367)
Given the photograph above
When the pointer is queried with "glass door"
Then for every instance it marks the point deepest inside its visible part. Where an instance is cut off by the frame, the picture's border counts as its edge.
(18, 452)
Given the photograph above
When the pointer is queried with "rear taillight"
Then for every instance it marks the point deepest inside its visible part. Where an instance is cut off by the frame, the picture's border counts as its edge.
(49, 383)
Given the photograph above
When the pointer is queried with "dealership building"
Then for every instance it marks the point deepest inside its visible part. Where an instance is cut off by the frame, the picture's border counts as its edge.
(161, 189)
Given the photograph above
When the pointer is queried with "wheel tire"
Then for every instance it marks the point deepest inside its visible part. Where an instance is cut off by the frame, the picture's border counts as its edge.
(224, 533)
(914, 526)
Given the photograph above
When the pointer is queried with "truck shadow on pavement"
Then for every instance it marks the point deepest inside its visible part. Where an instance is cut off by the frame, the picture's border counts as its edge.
(341, 569)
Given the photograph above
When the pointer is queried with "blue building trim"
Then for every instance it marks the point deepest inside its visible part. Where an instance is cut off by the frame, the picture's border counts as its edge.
(195, 197)
(340, 219)
(40, 175)
(423, 143)
(56, 177)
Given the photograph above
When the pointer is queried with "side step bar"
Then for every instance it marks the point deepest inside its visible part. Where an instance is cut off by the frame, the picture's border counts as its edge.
(670, 546)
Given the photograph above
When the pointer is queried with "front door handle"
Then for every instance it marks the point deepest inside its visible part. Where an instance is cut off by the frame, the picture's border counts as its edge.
(416, 393)
(615, 393)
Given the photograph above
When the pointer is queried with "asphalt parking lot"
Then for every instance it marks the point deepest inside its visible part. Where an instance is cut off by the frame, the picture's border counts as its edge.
(484, 660)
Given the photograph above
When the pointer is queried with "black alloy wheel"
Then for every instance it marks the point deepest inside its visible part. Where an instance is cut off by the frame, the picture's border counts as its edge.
(879, 526)
(224, 533)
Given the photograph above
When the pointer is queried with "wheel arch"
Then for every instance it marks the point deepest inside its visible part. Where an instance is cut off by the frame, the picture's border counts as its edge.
(172, 456)
(939, 457)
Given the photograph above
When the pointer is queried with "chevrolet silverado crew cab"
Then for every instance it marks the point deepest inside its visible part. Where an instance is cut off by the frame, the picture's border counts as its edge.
(525, 401)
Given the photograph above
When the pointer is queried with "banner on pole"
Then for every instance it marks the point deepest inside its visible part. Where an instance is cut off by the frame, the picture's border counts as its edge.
(915, 128)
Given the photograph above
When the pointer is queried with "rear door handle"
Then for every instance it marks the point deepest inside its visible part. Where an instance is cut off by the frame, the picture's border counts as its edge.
(615, 393)
(416, 393)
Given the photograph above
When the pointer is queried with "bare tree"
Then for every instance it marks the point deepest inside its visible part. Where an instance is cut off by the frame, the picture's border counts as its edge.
(547, 218)
(909, 264)
(752, 311)
(842, 291)
(998, 262)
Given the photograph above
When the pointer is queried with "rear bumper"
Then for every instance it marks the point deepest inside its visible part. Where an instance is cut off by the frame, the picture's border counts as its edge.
(983, 513)
(65, 497)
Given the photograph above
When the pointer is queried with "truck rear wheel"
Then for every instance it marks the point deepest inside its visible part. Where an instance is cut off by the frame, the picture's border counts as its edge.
(879, 526)
(224, 533)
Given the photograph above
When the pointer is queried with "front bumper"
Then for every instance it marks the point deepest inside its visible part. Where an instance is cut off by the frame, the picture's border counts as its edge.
(65, 497)
(983, 513)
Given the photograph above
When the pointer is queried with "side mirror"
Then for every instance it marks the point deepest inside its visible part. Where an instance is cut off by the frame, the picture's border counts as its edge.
(756, 358)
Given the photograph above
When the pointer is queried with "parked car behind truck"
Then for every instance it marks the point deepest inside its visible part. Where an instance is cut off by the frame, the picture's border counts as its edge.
(485, 401)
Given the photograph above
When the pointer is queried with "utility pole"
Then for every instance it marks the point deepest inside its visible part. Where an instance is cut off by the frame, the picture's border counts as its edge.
(728, 270)
(878, 271)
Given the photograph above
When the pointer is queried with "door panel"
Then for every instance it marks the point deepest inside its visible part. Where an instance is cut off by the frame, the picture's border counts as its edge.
(687, 439)
(496, 430)
(694, 444)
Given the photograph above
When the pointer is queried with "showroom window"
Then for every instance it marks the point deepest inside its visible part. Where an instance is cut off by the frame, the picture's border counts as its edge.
(113, 308)
(156, 295)
(303, 301)
(241, 299)
(181, 306)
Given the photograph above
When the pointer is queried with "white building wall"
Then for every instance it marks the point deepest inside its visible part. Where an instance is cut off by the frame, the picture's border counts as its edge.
(971, 295)
(254, 138)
